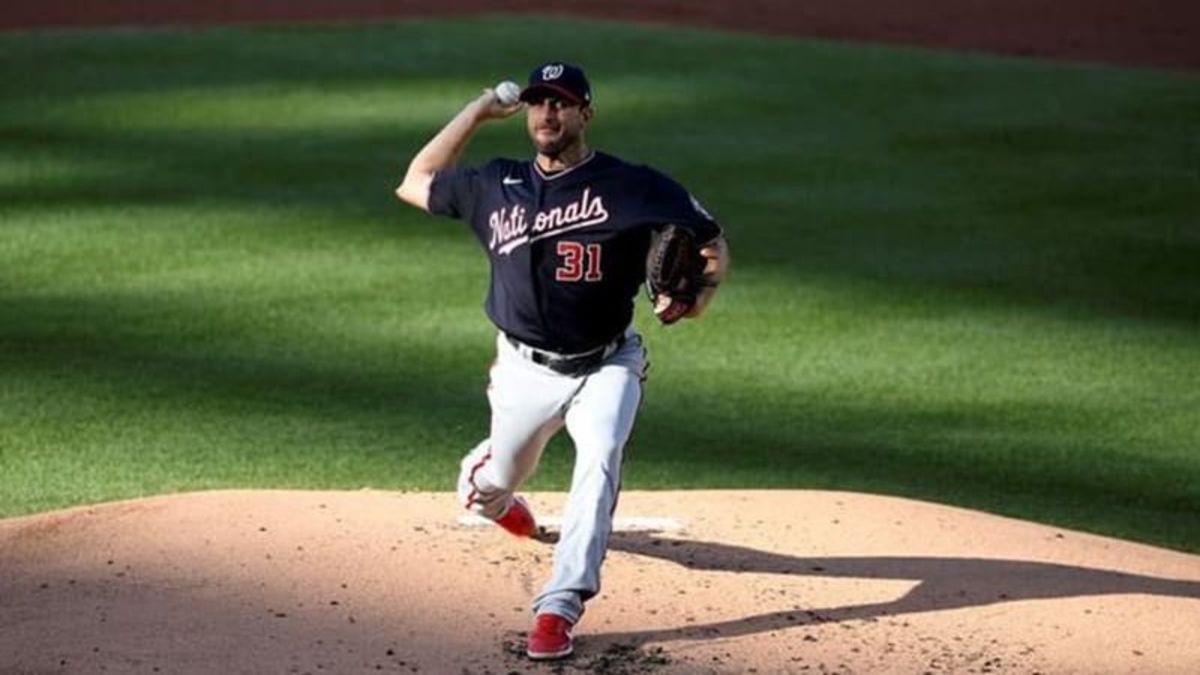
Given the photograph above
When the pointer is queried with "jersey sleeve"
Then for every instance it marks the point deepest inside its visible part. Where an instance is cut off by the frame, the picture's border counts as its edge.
(454, 191)
(669, 203)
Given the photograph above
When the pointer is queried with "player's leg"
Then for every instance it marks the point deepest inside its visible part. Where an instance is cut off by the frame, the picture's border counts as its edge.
(599, 420)
(527, 406)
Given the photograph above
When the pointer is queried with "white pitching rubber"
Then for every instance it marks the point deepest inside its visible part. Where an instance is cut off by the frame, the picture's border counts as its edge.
(626, 524)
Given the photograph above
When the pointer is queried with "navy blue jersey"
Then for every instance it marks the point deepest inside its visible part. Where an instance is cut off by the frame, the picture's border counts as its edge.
(567, 250)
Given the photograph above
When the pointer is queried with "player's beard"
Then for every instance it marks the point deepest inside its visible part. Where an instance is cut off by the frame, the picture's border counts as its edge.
(555, 148)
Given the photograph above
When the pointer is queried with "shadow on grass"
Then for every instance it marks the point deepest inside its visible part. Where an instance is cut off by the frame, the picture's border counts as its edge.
(1114, 274)
(856, 194)
(1126, 265)
(119, 346)
(1046, 191)
(1134, 268)
(421, 399)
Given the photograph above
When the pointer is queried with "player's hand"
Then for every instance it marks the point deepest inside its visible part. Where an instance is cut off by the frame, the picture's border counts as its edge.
(669, 310)
(715, 262)
(716, 265)
(487, 107)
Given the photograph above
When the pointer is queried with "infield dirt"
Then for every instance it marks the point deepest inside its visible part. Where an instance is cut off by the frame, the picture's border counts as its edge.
(774, 581)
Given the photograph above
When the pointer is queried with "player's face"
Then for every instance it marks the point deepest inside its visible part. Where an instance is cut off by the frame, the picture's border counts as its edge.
(555, 124)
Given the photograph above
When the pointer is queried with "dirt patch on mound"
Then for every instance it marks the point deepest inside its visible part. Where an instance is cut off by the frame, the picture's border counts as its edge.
(778, 581)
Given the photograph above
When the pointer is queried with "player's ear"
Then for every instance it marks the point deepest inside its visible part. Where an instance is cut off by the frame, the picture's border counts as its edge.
(587, 111)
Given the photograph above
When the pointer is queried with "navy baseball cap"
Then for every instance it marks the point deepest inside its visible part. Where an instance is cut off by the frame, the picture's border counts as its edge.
(559, 79)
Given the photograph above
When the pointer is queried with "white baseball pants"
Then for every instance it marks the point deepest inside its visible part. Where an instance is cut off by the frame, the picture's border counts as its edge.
(530, 403)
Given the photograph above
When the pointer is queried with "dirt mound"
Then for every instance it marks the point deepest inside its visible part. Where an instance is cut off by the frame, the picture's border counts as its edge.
(780, 581)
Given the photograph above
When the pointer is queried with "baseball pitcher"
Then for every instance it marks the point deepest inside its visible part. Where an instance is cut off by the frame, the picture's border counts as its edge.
(571, 235)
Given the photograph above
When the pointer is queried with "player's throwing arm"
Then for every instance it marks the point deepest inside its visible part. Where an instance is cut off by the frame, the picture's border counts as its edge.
(444, 149)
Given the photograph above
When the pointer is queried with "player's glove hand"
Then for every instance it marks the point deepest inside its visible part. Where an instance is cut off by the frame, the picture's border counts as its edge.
(674, 273)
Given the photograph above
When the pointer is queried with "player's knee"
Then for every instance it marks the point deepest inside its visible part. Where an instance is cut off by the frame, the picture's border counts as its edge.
(497, 476)
(480, 492)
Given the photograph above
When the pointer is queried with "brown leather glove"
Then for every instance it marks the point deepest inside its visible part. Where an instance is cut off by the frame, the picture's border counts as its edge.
(674, 273)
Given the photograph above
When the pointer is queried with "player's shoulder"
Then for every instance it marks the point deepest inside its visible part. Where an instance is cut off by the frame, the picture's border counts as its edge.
(668, 193)
(605, 160)
(642, 174)
(653, 176)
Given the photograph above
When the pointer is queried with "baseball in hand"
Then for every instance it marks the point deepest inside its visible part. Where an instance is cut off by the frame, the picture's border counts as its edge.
(507, 92)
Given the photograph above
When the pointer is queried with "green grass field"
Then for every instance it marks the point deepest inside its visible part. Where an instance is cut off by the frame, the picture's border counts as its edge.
(973, 280)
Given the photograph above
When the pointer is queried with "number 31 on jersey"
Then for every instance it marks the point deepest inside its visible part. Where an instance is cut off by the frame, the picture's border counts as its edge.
(578, 262)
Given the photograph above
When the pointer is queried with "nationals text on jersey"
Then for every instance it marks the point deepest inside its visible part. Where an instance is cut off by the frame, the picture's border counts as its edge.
(510, 228)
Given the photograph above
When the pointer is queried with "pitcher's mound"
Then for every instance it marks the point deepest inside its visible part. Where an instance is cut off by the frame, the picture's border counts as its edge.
(778, 581)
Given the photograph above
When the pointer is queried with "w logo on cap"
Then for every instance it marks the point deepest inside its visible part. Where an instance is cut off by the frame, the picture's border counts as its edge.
(559, 79)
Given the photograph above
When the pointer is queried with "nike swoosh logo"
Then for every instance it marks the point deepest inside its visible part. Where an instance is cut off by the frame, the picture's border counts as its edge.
(512, 181)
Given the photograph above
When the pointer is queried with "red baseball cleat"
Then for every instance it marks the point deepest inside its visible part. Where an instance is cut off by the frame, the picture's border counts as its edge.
(518, 519)
(551, 638)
